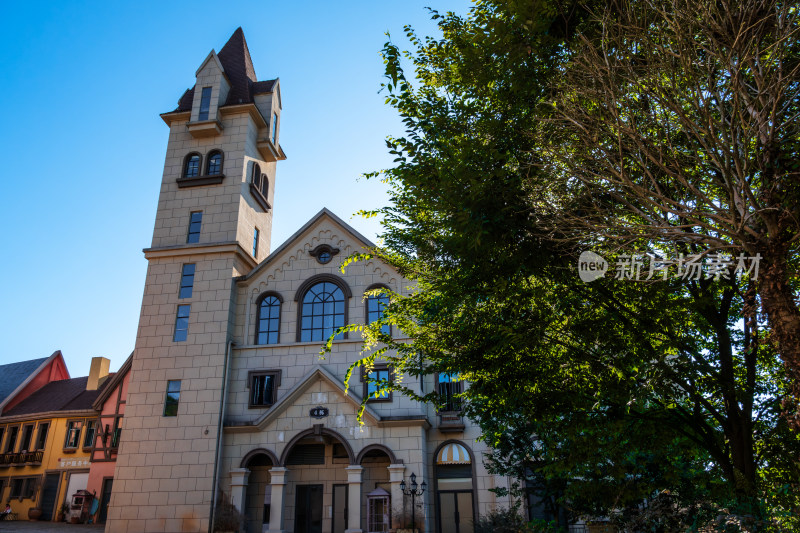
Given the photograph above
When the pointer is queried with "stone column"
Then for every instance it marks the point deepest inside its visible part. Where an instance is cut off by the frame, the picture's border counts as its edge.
(278, 484)
(398, 505)
(239, 488)
(354, 498)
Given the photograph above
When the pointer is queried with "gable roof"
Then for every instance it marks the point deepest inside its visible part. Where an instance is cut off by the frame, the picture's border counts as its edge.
(324, 212)
(17, 375)
(112, 382)
(63, 395)
(238, 67)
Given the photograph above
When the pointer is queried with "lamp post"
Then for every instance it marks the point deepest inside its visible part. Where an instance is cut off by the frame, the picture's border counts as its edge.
(413, 492)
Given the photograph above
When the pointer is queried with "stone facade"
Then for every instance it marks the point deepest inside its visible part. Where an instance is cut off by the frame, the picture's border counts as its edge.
(283, 468)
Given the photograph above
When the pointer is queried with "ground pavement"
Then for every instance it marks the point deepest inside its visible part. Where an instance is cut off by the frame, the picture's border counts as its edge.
(47, 527)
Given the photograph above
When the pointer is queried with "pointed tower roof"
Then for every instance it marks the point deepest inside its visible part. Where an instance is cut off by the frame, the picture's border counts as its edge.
(238, 67)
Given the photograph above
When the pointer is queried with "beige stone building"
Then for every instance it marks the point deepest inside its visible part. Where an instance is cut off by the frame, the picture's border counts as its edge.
(228, 397)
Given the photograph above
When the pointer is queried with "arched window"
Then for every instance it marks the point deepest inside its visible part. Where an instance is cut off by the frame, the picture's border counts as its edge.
(259, 180)
(323, 310)
(191, 167)
(214, 163)
(269, 319)
(455, 484)
(374, 306)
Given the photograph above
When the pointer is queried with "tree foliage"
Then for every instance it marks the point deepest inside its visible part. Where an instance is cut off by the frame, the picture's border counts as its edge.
(604, 394)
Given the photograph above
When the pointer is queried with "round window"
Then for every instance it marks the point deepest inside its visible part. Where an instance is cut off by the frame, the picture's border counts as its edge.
(324, 256)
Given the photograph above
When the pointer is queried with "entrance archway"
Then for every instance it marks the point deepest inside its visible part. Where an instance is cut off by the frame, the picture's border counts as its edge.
(258, 496)
(455, 488)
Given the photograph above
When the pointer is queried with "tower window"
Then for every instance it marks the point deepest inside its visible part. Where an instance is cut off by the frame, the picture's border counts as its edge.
(449, 387)
(182, 323)
(214, 163)
(191, 168)
(260, 181)
(269, 319)
(255, 242)
(172, 398)
(195, 220)
(187, 281)
(275, 128)
(205, 103)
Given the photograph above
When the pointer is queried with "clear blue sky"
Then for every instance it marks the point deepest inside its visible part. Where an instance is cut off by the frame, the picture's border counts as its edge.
(83, 84)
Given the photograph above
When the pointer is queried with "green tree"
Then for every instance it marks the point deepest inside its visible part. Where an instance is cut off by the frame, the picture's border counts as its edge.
(609, 392)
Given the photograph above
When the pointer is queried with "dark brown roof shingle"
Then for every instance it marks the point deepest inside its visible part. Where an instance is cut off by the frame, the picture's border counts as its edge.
(63, 395)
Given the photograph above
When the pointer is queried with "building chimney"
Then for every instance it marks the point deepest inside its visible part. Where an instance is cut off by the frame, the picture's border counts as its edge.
(97, 372)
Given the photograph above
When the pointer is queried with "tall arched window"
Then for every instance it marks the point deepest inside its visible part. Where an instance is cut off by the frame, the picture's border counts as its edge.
(191, 167)
(455, 484)
(268, 323)
(375, 304)
(214, 163)
(323, 310)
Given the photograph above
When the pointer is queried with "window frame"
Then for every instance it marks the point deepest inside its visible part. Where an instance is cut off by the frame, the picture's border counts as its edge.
(258, 331)
(9, 428)
(367, 321)
(73, 449)
(184, 277)
(31, 426)
(40, 427)
(28, 486)
(274, 132)
(310, 283)
(209, 156)
(259, 186)
(276, 382)
(203, 114)
(94, 425)
(255, 242)
(199, 227)
(181, 307)
(167, 397)
(187, 160)
(459, 384)
(390, 377)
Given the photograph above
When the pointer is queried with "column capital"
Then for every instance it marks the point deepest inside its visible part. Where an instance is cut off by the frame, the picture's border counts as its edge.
(239, 476)
(396, 472)
(278, 475)
(354, 473)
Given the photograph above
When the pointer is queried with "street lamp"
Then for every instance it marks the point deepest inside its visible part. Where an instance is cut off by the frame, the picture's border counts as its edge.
(413, 492)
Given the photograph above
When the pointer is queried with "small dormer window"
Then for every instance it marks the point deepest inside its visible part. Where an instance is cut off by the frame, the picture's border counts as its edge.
(274, 128)
(205, 104)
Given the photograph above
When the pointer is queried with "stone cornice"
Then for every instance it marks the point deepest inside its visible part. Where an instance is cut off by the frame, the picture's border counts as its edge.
(221, 248)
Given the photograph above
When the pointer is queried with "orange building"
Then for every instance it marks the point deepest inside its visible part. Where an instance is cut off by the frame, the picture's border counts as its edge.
(46, 438)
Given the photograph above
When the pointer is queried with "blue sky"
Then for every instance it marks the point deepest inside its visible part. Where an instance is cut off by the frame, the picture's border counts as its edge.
(83, 85)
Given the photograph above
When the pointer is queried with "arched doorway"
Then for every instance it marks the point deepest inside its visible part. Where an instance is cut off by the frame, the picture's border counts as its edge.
(316, 498)
(455, 488)
(259, 494)
(375, 460)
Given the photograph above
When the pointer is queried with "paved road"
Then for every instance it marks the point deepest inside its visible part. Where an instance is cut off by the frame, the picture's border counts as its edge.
(47, 527)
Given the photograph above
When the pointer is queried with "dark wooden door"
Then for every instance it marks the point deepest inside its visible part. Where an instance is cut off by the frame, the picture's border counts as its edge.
(455, 511)
(104, 499)
(339, 522)
(49, 494)
(308, 509)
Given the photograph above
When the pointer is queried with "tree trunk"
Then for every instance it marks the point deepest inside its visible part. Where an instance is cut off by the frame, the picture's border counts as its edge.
(778, 302)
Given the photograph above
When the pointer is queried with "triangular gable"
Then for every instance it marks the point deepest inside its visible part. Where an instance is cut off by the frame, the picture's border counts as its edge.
(324, 213)
(211, 57)
(320, 374)
(36, 380)
(112, 385)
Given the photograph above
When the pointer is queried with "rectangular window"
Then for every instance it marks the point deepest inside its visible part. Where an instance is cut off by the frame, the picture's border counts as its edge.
(88, 438)
(172, 398)
(73, 434)
(2, 434)
(17, 486)
(205, 103)
(195, 220)
(187, 281)
(41, 438)
(11, 442)
(263, 387)
(115, 436)
(182, 323)
(255, 243)
(371, 388)
(449, 388)
(375, 305)
(27, 437)
(275, 128)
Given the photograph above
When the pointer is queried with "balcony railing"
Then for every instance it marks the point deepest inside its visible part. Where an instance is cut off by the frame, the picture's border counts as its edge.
(21, 458)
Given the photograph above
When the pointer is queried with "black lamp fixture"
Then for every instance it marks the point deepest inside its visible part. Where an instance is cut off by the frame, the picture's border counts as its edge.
(414, 491)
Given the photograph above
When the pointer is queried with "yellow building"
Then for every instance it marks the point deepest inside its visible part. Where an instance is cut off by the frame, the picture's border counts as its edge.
(45, 443)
